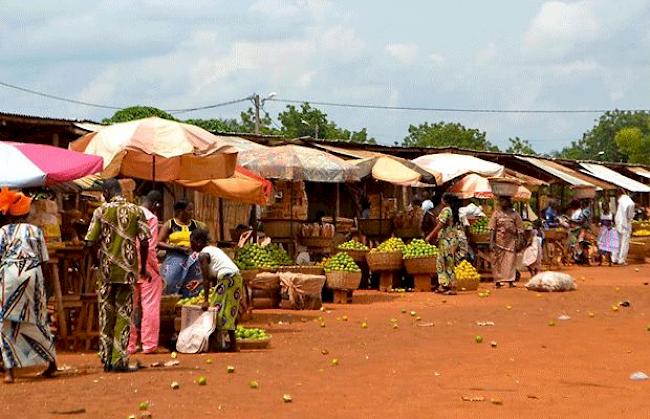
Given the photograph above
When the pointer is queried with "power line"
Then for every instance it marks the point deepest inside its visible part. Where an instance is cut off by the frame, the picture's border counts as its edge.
(470, 110)
(96, 105)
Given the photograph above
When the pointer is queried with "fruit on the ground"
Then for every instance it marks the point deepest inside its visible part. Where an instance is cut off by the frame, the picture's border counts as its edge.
(413, 313)
(230, 369)
(131, 417)
(403, 311)
(418, 318)
(395, 326)
(175, 385)
(202, 380)
(208, 361)
(592, 314)
(254, 385)
(478, 338)
(352, 245)
(335, 362)
(419, 248)
(480, 226)
(174, 355)
(322, 324)
(493, 344)
(344, 318)
(551, 323)
(364, 325)
(144, 406)
(648, 328)
(341, 262)
(614, 308)
(508, 307)
(465, 272)
(394, 244)
(324, 351)
(287, 398)
(252, 333)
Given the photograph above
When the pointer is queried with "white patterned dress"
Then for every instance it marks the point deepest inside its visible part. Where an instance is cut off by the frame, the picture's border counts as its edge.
(25, 337)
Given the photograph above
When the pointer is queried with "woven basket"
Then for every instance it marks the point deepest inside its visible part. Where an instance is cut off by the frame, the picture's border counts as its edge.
(384, 261)
(302, 269)
(254, 343)
(341, 280)
(281, 228)
(479, 237)
(467, 285)
(426, 265)
(248, 275)
(356, 255)
(316, 242)
(503, 186)
(375, 227)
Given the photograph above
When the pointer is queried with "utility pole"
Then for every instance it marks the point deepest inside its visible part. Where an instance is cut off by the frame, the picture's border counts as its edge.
(256, 102)
(316, 131)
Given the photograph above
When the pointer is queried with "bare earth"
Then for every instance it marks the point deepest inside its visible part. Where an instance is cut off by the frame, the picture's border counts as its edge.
(578, 368)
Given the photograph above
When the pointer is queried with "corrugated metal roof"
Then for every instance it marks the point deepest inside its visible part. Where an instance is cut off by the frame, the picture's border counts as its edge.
(640, 171)
(607, 174)
(552, 169)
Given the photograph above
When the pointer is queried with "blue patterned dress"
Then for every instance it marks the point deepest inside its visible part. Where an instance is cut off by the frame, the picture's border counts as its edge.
(24, 333)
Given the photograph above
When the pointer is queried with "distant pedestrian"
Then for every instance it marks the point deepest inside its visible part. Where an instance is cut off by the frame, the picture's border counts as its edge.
(506, 232)
(115, 226)
(608, 240)
(623, 221)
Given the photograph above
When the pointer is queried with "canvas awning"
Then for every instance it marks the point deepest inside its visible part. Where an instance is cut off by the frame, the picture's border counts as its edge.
(609, 175)
(528, 181)
(567, 175)
(451, 165)
(641, 171)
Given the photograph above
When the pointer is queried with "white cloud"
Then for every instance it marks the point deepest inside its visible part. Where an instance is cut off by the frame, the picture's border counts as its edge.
(404, 53)
(437, 59)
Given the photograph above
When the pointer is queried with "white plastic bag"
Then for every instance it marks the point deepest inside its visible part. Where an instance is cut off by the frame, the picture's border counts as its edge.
(195, 337)
(551, 282)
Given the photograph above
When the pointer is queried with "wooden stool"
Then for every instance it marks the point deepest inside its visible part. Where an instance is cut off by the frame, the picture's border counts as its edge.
(343, 296)
(88, 323)
(422, 282)
(388, 280)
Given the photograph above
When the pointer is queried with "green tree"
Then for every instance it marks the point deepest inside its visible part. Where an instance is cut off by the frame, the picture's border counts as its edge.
(308, 121)
(601, 138)
(137, 112)
(447, 134)
(634, 143)
(519, 146)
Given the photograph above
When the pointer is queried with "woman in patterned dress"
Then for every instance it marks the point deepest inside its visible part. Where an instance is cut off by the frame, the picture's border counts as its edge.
(506, 231)
(24, 332)
(452, 243)
(218, 269)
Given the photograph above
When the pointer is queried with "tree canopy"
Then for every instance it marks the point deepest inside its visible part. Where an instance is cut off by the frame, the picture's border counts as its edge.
(519, 146)
(137, 112)
(447, 134)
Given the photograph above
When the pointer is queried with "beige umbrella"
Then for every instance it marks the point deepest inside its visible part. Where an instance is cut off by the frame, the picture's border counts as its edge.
(159, 149)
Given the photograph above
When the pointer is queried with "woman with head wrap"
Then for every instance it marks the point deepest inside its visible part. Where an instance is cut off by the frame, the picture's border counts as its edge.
(24, 333)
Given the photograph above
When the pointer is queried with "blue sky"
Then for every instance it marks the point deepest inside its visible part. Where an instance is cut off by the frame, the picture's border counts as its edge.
(506, 54)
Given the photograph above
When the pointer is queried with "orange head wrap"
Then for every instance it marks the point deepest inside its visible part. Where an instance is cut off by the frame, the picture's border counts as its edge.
(7, 198)
(21, 206)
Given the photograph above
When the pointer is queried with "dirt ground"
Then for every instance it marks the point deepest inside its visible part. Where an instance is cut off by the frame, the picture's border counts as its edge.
(578, 368)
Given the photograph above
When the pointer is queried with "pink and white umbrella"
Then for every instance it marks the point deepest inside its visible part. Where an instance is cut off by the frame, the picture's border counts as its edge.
(33, 165)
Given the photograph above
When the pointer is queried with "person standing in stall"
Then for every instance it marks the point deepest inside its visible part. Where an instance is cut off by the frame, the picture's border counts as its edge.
(115, 226)
(506, 231)
(180, 269)
(607, 237)
(148, 292)
(25, 337)
(623, 221)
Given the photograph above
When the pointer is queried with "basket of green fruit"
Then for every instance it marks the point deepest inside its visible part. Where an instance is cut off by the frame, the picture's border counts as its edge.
(252, 338)
(342, 273)
(387, 256)
(302, 269)
(420, 257)
(479, 231)
(356, 250)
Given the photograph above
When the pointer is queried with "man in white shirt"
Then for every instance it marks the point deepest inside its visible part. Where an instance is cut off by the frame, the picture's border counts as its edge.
(470, 210)
(623, 221)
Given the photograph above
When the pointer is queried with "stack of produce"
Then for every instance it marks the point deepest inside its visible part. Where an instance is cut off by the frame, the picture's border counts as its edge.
(467, 278)
(641, 233)
(198, 299)
(352, 245)
(419, 248)
(480, 226)
(278, 254)
(341, 262)
(394, 244)
(254, 256)
(253, 334)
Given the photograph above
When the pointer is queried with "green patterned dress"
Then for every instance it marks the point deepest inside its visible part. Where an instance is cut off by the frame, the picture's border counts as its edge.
(452, 248)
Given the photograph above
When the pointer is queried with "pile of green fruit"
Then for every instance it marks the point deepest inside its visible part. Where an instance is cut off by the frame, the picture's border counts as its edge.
(353, 245)
(199, 298)
(341, 262)
(394, 244)
(419, 248)
(480, 226)
(252, 334)
(254, 256)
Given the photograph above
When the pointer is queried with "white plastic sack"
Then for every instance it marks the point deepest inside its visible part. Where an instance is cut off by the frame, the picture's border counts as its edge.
(551, 282)
(195, 337)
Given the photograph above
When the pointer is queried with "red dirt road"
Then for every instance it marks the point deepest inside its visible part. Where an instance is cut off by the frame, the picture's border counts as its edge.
(578, 368)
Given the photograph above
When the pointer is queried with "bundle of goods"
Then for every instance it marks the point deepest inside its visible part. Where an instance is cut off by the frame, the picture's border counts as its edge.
(253, 256)
(502, 186)
(317, 235)
(265, 290)
(387, 256)
(467, 278)
(355, 249)
(45, 215)
(479, 230)
(252, 338)
(420, 261)
(290, 202)
(300, 291)
(551, 282)
(408, 223)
